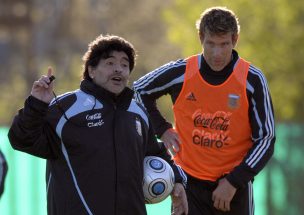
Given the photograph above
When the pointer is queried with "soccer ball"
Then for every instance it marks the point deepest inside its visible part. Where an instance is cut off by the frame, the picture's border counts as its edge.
(158, 179)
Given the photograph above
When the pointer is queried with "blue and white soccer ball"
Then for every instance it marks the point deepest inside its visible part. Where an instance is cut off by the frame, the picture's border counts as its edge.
(158, 179)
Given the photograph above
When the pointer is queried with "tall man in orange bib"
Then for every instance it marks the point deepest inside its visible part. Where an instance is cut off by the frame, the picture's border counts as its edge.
(224, 124)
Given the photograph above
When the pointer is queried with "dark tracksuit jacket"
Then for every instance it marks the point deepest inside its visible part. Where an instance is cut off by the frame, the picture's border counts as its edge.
(94, 144)
(169, 79)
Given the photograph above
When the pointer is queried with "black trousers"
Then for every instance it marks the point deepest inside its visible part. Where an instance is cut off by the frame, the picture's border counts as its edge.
(199, 194)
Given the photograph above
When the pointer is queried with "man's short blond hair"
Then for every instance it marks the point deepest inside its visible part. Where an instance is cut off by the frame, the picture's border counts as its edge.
(218, 20)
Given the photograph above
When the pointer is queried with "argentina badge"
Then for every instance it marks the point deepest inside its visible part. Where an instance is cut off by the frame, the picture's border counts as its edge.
(138, 126)
(233, 101)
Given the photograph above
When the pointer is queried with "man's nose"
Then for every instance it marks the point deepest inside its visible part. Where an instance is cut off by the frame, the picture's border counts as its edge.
(118, 69)
(217, 51)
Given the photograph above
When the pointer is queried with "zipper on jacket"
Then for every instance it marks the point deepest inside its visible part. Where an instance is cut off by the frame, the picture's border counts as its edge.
(115, 158)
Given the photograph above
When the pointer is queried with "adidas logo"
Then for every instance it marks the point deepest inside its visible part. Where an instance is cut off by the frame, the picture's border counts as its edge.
(191, 97)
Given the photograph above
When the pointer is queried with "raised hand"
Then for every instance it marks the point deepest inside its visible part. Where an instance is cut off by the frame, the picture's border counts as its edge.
(43, 88)
(171, 141)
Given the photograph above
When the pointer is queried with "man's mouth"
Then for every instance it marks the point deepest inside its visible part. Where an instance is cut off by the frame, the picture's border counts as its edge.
(116, 78)
(217, 61)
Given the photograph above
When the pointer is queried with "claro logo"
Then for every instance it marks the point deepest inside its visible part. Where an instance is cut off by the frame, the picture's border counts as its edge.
(211, 129)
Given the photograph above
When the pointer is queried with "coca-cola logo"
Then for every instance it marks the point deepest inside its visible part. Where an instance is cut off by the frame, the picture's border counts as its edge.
(93, 116)
(94, 120)
(217, 121)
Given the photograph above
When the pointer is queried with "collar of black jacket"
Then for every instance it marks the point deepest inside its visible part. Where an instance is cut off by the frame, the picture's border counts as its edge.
(101, 94)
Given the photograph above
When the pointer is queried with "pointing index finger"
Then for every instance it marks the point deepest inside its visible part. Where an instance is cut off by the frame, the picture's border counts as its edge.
(50, 71)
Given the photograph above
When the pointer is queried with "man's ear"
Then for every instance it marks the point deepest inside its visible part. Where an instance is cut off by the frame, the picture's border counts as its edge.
(91, 71)
(235, 38)
(201, 37)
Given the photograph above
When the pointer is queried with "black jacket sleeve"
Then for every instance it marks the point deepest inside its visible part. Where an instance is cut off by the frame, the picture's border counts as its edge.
(158, 120)
(263, 130)
(167, 79)
(158, 149)
(3, 172)
(31, 133)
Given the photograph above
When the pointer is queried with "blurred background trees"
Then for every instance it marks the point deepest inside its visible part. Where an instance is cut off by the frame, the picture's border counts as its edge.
(272, 38)
(35, 34)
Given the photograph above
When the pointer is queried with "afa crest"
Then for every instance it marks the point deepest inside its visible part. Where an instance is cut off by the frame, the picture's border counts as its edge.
(233, 101)
(138, 126)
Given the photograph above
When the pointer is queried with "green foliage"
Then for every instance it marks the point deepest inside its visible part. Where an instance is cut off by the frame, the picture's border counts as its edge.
(271, 38)
(12, 99)
(56, 33)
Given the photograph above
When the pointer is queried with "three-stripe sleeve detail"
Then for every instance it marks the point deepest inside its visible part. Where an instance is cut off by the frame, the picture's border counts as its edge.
(264, 140)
